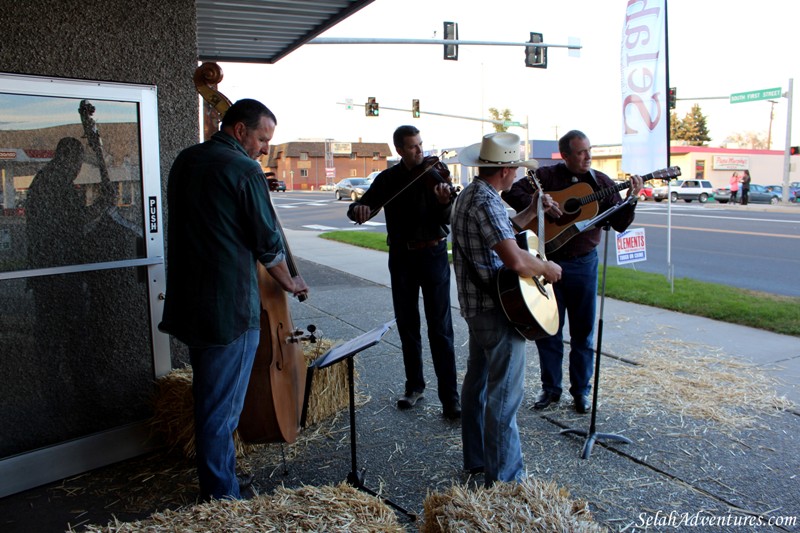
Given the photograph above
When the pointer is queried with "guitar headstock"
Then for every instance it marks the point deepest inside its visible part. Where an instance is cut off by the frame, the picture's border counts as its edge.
(664, 174)
(533, 180)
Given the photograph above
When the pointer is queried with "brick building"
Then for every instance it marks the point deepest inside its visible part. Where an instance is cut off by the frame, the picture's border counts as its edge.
(302, 164)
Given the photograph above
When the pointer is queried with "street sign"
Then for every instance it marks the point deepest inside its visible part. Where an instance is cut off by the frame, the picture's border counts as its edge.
(508, 123)
(752, 96)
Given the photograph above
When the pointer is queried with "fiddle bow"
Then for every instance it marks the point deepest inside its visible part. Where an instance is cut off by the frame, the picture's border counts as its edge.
(433, 170)
(275, 393)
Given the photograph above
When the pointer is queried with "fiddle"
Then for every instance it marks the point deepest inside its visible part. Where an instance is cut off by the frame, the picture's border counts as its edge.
(434, 172)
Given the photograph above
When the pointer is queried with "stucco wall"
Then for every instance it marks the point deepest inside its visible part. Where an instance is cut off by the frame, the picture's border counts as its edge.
(143, 42)
(149, 42)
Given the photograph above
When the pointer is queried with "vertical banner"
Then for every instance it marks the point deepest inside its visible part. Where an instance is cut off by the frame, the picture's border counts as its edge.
(644, 86)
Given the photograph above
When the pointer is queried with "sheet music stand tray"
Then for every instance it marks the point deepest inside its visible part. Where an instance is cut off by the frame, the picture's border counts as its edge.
(601, 220)
(348, 350)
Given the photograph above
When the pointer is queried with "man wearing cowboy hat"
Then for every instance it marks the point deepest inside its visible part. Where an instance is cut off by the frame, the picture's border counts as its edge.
(576, 294)
(483, 242)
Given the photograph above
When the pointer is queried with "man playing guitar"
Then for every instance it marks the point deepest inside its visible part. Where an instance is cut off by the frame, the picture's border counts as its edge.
(576, 292)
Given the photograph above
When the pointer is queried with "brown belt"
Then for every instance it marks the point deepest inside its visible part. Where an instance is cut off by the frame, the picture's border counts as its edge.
(420, 245)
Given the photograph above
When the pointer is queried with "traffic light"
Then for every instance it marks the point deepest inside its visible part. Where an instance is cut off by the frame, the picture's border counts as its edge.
(415, 108)
(672, 97)
(451, 34)
(536, 56)
(371, 108)
(794, 150)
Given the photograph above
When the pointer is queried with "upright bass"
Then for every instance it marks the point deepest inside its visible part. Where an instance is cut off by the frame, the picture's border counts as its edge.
(274, 401)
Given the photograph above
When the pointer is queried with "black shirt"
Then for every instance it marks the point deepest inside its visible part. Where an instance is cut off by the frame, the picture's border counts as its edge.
(559, 177)
(413, 215)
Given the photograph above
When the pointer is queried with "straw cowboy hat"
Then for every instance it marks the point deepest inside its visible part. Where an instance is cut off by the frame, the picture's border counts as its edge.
(496, 150)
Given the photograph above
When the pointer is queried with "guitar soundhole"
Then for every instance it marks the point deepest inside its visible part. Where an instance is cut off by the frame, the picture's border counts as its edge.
(573, 205)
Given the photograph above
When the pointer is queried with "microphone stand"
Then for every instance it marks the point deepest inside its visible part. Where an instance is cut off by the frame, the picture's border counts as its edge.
(603, 221)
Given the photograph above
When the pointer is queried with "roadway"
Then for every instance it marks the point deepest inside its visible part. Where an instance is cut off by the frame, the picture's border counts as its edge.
(755, 247)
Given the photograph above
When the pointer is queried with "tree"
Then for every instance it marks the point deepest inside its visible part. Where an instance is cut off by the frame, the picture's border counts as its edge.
(692, 128)
(749, 139)
(503, 115)
(675, 127)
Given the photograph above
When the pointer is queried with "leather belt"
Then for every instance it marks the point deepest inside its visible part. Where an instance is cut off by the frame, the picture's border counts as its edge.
(570, 257)
(421, 245)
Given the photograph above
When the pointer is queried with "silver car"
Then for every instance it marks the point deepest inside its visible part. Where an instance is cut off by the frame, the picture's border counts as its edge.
(353, 188)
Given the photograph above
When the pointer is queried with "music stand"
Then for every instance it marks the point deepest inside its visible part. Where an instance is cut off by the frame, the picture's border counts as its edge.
(601, 220)
(348, 350)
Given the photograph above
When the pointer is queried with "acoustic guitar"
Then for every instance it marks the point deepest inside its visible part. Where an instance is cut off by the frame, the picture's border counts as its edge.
(580, 203)
(529, 303)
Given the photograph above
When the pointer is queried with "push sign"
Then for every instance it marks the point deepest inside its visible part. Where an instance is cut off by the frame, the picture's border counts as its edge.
(152, 214)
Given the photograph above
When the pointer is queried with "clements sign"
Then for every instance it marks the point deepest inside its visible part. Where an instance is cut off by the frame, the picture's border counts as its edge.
(631, 246)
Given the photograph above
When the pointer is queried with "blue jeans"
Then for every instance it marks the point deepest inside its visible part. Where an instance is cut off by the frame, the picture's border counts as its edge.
(219, 384)
(427, 269)
(491, 395)
(576, 295)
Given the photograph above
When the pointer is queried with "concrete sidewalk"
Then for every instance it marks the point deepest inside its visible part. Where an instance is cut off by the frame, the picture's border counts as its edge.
(779, 355)
(742, 464)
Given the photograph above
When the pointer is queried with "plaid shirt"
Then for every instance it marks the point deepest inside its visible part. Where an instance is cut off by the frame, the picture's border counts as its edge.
(479, 222)
(220, 222)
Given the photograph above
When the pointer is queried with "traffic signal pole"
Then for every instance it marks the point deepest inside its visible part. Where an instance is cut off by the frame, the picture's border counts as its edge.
(505, 123)
(786, 153)
(378, 40)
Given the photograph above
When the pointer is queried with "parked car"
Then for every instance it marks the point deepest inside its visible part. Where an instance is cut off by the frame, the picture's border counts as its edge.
(760, 194)
(372, 175)
(646, 192)
(722, 195)
(353, 188)
(794, 190)
(326, 187)
(276, 185)
(686, 190)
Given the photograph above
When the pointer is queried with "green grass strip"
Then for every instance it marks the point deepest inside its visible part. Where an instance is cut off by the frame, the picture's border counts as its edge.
(779, 314)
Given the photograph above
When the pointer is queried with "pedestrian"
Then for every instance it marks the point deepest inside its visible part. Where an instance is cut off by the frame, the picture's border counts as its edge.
(576, 293)
(417, 219)
(745, 187)
(483, 242)
(734, 181)
(220, 223)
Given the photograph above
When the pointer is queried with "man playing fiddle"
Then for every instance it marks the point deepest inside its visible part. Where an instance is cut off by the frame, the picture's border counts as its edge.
(417, 211)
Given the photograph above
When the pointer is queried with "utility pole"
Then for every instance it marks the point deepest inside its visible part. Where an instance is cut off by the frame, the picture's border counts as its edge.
(771, 116)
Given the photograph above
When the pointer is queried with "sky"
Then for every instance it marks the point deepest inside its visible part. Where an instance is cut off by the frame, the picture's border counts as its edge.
(716, 48)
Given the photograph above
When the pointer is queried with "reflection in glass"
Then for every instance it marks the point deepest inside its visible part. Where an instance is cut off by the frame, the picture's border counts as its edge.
(75, 348)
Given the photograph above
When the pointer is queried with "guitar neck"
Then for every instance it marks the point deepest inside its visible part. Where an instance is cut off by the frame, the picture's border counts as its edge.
(608, 191)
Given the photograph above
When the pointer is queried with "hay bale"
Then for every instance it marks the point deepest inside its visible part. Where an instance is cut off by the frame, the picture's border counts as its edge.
(173, 418)
(529, 505)
(330, 391)
(328, 508)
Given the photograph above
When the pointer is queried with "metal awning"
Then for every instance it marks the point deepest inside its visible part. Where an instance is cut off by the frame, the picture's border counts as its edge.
(264, 31)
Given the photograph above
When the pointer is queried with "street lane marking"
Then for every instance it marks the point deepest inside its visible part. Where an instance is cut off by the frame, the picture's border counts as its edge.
(756, 233)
